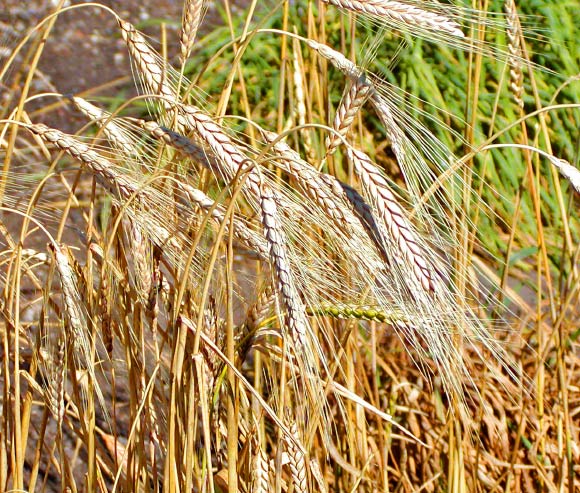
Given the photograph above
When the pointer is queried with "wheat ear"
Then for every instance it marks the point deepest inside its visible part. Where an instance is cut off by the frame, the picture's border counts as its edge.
(351, 103)
(103, 169)
(259, 465)
(241, 231)
(190, 21)
(340, 202)
(359, 312)
(295, 311)
(102, 118)
(297, 461)
(401, 14)
(313, 183)
(142, 256)
(514, 52)
(394, 218)
(118, 185)
(146, 60)
(78, 334)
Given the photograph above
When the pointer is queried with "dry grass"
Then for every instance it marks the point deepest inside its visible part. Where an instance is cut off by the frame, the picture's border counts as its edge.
(216, 300)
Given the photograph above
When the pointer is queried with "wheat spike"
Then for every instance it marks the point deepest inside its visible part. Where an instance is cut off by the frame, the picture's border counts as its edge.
(295, 311)
(77, 332)
(259, 466)
(351, 103)
(190, 21)
(297, 461)
(102, 118)
(571, 173)
(241, 231)
(120, 186)
(515, 52)
(142, 255)
(402, 15)
(229, 156)
(103, 169)
(394, 217)
(360, 312)
(313, 183)
(147, 61)
(339, 201)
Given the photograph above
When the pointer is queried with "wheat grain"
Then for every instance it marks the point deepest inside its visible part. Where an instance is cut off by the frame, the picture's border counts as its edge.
(402, 15)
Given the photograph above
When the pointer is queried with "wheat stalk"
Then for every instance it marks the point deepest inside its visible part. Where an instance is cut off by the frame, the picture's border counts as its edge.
(403, 15)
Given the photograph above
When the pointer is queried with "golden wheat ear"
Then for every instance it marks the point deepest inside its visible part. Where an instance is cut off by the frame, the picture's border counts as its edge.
(190, 21)
(401, 15)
